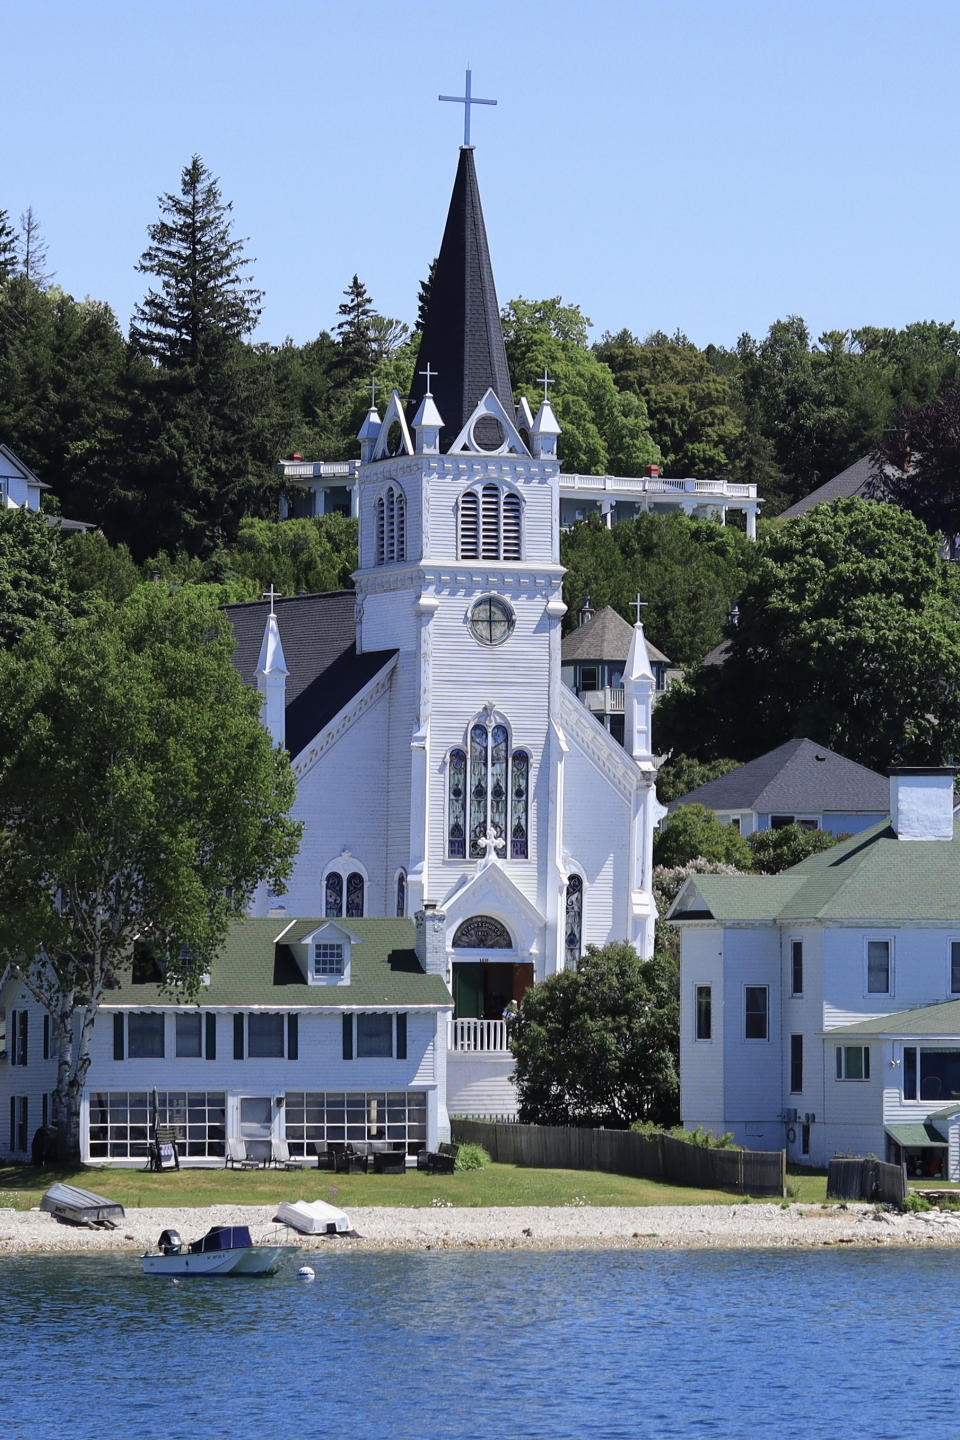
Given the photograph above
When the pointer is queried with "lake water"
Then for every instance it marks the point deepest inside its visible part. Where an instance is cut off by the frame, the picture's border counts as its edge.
(614, 1343)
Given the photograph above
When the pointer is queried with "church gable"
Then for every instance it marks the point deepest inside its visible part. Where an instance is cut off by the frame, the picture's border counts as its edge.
(479, 434)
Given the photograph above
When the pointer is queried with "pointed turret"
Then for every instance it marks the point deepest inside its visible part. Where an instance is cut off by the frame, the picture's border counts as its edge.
(639, 685)
(272, 675)
(462, 337)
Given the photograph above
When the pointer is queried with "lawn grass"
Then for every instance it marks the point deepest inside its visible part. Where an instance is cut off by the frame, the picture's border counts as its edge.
(22, 1187)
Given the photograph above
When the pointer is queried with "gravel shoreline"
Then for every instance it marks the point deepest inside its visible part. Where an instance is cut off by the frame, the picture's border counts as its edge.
(747, 1226)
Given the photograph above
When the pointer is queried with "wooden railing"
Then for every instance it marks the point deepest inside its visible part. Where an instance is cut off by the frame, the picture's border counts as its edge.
(478, 1037)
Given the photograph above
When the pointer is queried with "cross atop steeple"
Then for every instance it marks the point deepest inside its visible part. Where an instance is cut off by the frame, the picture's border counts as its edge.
(466, 100)
(545, 381)
(428, 374)
(638, 605)
(271, 595)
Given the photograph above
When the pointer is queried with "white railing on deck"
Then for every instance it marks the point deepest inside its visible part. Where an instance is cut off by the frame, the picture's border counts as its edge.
(478, 1037)
(609, 700)
(655, 485)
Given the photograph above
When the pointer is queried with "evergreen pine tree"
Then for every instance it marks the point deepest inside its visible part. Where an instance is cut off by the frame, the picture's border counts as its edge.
(354, 330)
(33, 250)
(423, 298)
(8, 247)
(204, 294)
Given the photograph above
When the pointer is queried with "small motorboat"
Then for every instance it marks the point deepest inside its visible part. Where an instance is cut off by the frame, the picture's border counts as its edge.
(224, 1250)
(314, 1217)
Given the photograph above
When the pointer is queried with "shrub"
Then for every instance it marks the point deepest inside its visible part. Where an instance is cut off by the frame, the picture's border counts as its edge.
(472, 1157)
(915, 1202)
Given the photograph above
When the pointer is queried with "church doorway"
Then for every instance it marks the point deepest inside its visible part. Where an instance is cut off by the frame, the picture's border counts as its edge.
(482, 990)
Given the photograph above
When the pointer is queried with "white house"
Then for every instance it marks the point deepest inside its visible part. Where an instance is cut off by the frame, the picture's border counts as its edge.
(444, 771)
(820, 1008)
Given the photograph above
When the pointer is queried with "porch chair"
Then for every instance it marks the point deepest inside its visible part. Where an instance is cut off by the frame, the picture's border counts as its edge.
(164, 1154)
(237, 1157)
(280, 1157)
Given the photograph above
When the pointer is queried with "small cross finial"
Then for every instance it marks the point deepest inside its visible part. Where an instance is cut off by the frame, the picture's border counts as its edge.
(373, 394)
(271, 595)
(545, 381)
(466, 100)
(638, 605)
(429, 374)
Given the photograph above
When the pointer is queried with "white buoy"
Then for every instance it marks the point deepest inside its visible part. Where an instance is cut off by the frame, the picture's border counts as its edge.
(306, 1272)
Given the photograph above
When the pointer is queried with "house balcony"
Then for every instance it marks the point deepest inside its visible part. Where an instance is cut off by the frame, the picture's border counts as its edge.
(478, 1037)
(608, 701)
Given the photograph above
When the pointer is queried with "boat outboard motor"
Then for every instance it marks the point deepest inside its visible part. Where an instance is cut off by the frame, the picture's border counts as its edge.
(170, 1242)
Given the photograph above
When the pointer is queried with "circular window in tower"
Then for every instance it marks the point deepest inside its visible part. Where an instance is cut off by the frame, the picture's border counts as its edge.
(491, 620)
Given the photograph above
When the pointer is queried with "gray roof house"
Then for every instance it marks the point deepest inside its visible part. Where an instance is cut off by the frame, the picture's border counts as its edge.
(593, 659)
(797, 782)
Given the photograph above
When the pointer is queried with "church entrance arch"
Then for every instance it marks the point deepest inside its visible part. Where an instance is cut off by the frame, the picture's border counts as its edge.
(487, 976)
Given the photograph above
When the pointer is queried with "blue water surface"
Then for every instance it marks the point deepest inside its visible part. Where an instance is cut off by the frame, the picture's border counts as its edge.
(606, 1344)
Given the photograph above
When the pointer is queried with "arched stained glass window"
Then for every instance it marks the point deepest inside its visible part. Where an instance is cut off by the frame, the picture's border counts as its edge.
(457, 805)
(520, 786)
(333, 904)
(354, 895)
(401, 894)
(573, 922)
(482, 932)
(479, 782)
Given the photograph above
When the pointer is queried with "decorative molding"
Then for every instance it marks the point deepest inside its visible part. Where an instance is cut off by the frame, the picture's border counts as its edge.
(490, 408)
(598, 745)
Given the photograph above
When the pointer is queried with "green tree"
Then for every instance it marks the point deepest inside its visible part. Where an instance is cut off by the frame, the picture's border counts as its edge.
(32, 588)
(690, 406)
(140, 799)
(8, 247)
(776, 850)
(599, 1045)
(680, 774)
(92, 567)
(917, 464)
(313, 555)
(847, 631)
(692, 832)
(32, 250)
(204, 294)
(354, 330)
(603, 429)
(423, 296)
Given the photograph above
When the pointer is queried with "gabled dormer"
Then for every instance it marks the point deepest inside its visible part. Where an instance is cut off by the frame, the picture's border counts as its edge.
(324, 954)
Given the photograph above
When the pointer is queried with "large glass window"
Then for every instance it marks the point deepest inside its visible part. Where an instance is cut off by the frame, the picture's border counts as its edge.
(145, 1036)
(488, 793)
(755, 1012)
(317, 1117)
(930, 1074)
(121, 1122)
(704, 1011)
(878, 967)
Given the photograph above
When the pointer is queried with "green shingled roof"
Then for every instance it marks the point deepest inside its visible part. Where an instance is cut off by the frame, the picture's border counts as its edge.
(257, 968)
(930, 1020)
(873, 878)
(916, 1137)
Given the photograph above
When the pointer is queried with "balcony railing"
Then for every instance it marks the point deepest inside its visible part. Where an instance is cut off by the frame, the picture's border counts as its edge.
(608, 701)
(478, 1037)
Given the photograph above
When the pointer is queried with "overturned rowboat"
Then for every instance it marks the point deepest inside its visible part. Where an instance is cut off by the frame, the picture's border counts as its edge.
(81, 1207)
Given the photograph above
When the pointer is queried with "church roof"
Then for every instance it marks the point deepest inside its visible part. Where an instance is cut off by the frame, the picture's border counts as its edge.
(462, 338)
(325, 671)
(796, 778)
(606, 637)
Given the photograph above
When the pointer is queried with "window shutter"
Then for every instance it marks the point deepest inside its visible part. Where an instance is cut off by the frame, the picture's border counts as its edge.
(211, 1037)
(13, 1122)
(293, 1037)
(24, 1021)
(238, 1037)
(401, 1037)
(46, 1037)
(118, 1037)
(348, 1037)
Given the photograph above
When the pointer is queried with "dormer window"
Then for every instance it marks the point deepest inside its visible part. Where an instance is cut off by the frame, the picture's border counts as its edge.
(327, 959)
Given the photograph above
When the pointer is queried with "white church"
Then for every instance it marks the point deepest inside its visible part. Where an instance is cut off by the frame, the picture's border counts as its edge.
(469, 825)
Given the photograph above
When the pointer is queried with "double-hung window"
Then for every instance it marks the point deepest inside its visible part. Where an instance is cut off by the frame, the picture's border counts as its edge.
(756, 1008)
(796, 967)
(853, 1062)
(878, 967)
(704, 1012)
(796, 1064)
(375, 1036)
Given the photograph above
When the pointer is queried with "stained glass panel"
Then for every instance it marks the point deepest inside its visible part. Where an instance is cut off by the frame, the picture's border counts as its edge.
(498, 782)
(520, 771)
(573, 924)
(482, 932)
(478, 789)
(354, 896)
(334, 894)
(457, 805)
(401, 894)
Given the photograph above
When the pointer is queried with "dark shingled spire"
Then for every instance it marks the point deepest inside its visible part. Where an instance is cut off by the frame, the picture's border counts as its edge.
(462, 339)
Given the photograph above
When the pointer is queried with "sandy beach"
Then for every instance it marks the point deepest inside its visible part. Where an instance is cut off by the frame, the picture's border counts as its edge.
(746, 1226)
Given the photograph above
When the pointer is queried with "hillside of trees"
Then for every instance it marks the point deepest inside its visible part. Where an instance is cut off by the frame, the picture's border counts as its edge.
(167, 437)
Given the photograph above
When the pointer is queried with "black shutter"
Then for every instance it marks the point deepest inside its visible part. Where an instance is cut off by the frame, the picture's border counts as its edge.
(13, 1122)
(24, 1020)
(401, 1037)
(238, 1037)
(293, 1037)
(211, 1028)
(118, 1037)
(348, 1037)
(46, 1037)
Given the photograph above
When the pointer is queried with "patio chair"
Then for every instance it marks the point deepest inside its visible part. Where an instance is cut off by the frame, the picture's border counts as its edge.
(281, 1159)
(164, 1154)
(237, 1157)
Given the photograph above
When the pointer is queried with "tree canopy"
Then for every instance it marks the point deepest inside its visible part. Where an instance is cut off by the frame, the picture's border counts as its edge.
(692, 832)
(598, 1045)
(848, 632)
(917, 464)
(140, 800)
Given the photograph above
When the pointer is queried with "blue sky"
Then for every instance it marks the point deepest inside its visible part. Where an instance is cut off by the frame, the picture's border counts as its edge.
(664, 163)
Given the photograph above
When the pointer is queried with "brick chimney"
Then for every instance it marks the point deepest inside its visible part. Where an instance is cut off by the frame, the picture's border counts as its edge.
(921, 802)
(431, 941)
(652, 471)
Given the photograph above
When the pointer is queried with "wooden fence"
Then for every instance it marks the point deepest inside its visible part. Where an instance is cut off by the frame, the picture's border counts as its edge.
(862, 1177)
(626, 1152)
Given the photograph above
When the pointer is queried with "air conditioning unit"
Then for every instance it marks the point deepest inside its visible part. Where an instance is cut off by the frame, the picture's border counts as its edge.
(808, 1119)
(789, 1117)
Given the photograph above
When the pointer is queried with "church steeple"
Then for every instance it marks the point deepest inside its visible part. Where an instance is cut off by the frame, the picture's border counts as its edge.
(462, 338)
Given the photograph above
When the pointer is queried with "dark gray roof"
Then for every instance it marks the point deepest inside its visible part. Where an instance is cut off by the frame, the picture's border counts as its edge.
(796, 778)
(462, 337)
(318, 634)
(852, 483)
(606, 637)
